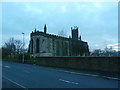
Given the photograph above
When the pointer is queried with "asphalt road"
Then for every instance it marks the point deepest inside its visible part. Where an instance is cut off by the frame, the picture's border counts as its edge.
(17, 75)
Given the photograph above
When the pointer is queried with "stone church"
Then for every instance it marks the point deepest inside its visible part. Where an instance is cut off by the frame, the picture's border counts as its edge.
(44, 44)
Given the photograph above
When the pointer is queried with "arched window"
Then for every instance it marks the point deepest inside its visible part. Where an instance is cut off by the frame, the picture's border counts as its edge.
(37, 46)
(31, 45)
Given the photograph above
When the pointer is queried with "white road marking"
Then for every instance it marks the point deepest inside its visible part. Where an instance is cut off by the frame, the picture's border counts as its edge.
(15, 82)
(68, 81)
(7, 66)
(87, 74)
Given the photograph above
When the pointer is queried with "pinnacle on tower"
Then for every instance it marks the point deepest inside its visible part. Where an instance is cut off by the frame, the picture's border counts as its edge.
(45, 28)
(35, 29)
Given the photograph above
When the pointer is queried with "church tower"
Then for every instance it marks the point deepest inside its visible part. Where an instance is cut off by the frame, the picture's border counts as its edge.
(74, 33)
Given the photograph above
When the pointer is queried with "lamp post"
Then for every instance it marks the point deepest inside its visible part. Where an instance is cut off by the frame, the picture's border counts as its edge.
(23, 48)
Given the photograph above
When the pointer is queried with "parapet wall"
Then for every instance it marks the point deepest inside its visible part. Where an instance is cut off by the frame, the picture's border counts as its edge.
(109, 64)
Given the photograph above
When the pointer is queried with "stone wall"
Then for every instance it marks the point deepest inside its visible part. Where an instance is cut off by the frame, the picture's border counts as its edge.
(45, 46)
(109, 64)
(52, 45)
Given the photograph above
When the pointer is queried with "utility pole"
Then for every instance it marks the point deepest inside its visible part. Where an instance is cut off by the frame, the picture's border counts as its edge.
(23, 48)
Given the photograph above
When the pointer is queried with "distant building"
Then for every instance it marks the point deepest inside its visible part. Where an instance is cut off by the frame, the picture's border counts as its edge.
(43, 44)
(106, 53)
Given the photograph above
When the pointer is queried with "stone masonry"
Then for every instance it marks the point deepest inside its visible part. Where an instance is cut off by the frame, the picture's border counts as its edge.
(43, 44)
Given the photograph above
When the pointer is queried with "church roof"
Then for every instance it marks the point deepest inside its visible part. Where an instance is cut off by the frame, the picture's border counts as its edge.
(36, 33)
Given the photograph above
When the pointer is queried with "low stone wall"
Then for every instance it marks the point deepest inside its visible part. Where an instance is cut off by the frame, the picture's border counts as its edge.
(109, 64)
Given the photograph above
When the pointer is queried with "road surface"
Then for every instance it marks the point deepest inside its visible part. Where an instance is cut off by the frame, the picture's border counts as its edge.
(17, 75)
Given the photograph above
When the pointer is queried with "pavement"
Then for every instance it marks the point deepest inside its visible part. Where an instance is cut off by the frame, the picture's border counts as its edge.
(26, 76)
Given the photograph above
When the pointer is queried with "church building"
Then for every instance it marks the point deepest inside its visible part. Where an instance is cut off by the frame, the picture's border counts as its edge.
(44, 44)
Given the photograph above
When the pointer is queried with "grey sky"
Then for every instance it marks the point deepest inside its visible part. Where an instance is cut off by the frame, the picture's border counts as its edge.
(97, 21)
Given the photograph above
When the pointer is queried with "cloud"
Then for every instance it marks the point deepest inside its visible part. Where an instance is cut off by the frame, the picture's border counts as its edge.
(63, 9)
(88, 6)
(115, 46)
(33, 9)
(97, 5)
(109, 38)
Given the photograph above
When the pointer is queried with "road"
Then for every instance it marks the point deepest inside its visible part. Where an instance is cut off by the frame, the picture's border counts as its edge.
(17, 75)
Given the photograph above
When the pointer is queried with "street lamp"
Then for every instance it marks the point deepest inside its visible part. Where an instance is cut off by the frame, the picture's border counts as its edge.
(23, 48)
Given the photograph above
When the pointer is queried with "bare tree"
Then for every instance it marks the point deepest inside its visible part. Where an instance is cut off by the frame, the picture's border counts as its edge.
(12, 47)
(108, 51)
(97, 52)
(62, 33)
(18, 45)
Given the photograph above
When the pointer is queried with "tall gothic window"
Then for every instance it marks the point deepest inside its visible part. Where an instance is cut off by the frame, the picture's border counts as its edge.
(37, 46)
(57, 48)
(31, 45)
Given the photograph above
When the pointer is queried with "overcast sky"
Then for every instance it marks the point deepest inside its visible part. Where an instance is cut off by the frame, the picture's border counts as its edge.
(97, 21)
